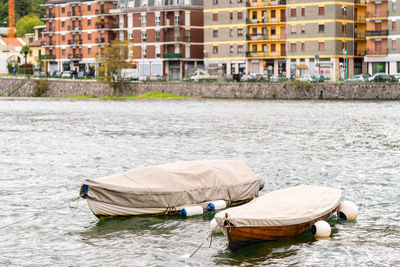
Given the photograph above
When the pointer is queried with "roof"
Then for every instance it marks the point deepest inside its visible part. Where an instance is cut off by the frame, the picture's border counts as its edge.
(12, 41)
(37, 43)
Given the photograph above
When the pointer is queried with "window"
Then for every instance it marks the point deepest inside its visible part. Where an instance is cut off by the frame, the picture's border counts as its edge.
(303, 47)
(63, 38)
(215, 16)
(321, 10)
(321, 46)
(157, 20)
(344, 11)
(215, 33)
(240, 32)
(231, 33)
(393, 25)
(215, 2)
(293, 12)
(293, 47)
(89, 50)
(273, 47)
(157, 36)
(344, 28)
(63, 24)
(393, 44)
(343, 45)
(63, 52)
(394, 7)
(215, 49)
(293, 29)
(63, 10)
(303, 11)
(231, 49)
(321, 28)
(273, 14)
(240, 15)
(89, 22)
(303, 28)
(273, 31)
(231, 15)
(89, 36)
(240, 48)
(89, 8)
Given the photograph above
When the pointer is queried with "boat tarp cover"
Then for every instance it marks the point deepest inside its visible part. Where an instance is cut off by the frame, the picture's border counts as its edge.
(284, 207)
(176, 184)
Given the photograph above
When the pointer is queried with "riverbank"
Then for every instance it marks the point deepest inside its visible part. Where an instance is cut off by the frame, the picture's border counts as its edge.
(17, 87)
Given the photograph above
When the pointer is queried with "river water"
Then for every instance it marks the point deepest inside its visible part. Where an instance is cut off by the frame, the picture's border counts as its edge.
(48, 147)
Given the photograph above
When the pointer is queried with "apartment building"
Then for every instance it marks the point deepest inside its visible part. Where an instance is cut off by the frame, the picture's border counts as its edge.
(266, 38)
(383, 53)
(225, 32)
(167, 35)
(76, 31)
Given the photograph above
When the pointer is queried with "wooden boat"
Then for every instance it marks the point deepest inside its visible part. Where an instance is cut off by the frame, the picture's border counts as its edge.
(169, 188)
(278, 215)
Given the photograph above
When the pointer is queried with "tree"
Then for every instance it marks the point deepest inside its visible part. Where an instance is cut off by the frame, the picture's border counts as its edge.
(25, 50)
(26, 24)
(113, 59)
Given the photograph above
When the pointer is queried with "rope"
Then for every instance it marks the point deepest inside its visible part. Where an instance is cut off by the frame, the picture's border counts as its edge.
(208, 236)
(42, 212)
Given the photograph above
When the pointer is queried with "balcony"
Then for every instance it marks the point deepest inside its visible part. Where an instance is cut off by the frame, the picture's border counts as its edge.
(46, 57)
(173, 39)
(264, 54)
(100, 40)
(266, 3)
(173, 55)
(260, 37)
(266, 21)
(382, 14)
(371, 52)
(74, 14)
(75, 56)
(376, 33)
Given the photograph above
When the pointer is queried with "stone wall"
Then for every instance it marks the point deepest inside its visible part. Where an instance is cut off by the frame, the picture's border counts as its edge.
(345, 91)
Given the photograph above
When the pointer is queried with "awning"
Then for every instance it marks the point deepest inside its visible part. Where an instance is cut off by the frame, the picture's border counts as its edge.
(302, 66)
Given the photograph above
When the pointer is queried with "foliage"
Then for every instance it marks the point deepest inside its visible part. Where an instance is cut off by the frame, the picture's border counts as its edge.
(22, 8)
(41, 87)
(27, 71)
(113, 59)
(150, 95)
(26, 24)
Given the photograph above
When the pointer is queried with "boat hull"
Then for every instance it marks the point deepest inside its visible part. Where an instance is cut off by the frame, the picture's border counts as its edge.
(105, 210)
(240, 237)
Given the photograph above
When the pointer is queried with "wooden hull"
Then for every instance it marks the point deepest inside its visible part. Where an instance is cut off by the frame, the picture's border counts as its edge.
(240, 237)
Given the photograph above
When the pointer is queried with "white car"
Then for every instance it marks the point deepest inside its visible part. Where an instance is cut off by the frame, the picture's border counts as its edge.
(66, 74)
(306, 78)
(199, 74)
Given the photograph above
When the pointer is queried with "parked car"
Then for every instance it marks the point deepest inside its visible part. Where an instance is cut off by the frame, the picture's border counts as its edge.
(382, 77)
(255, 77)
(306, 78)
(278, 78)
(66, 74)
(57, 74)
(359, 78)
(199, 74)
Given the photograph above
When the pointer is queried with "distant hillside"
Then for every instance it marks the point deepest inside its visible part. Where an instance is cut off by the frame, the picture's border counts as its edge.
(22, 8)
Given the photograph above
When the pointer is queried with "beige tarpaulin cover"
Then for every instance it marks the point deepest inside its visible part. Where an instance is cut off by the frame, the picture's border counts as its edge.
(176, 184)
(289, 206)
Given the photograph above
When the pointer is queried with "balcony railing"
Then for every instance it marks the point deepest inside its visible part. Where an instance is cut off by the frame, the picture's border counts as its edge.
(74, 56)
(100, 40)
(265, 20)
(265, 3)
(381, 14)
(382, 51)
(377, 33)
(265, 54)
(260, 37)
(44, 57)
(173, 55)
(174, 39)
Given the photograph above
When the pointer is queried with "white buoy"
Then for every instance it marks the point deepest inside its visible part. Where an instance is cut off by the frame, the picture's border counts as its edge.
(347, 211)
(216, 205)
(214, 226)
(321, 229)
(192, 211)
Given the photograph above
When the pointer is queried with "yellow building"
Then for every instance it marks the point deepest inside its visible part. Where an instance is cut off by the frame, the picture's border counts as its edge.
(266, 38)
(36, 42)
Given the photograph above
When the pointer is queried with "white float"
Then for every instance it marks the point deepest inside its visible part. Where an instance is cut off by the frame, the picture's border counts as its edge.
(214, 226)
(192, 211)
(321, 229)
(347, 210)
(216, 205)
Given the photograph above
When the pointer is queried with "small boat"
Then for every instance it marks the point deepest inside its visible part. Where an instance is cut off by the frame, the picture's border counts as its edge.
(278, 214)
(187, 186)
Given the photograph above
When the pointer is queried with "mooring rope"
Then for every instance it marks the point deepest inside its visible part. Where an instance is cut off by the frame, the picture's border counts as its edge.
(42, 212)
(208, 236)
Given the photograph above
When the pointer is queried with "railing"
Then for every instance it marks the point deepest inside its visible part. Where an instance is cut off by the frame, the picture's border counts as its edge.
(361, 53)
(265, 3)
(377, 15)
(265, 20)
(360, 1)
(74, 56)
(41, 57)
(377, 33)
(265, 54)
(361, 18)
(382, 51)
(258, 37)
(74, 14)
(173, 55)
(360, 35)
(173, 39)
(100, 40)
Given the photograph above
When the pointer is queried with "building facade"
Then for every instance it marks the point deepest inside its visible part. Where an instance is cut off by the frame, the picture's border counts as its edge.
(167, 35)
(225, 32)
(76, 31)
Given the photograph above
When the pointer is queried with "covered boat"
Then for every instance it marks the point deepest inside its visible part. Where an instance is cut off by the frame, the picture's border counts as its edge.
(278, 214)
(168, 188)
